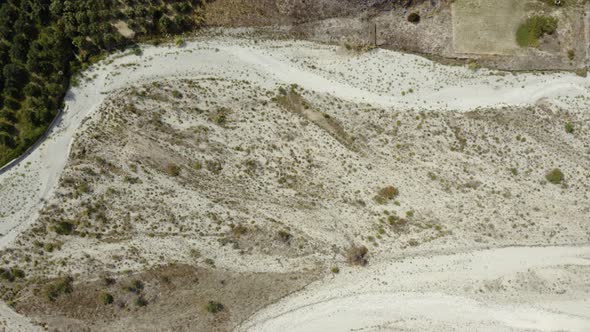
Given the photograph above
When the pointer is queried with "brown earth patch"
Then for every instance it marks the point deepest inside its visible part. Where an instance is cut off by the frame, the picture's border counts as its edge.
(174, 298)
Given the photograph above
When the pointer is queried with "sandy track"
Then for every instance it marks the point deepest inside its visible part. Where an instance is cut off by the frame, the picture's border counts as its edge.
(10, 321)
(420, 294)
(324, 69)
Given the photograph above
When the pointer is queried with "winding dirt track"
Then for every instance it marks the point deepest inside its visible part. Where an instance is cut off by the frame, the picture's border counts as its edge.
(24, 187)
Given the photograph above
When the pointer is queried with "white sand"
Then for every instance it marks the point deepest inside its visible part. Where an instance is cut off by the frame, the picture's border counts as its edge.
(10, 321)
(378, 78)
(437, 293)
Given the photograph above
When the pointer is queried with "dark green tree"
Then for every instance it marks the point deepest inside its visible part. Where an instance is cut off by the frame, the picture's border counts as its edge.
(15, 78)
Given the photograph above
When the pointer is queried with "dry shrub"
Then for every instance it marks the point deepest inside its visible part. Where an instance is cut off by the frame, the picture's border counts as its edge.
(356, 255)
(172, 169)
(386, 194)
(284, 236)
(238, 230)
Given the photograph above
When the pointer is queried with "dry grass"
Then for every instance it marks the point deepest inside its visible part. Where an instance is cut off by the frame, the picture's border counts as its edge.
(486, 27)
(155, 306)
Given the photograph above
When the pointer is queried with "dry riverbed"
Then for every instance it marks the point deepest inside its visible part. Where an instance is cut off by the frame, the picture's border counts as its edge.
(239, 171)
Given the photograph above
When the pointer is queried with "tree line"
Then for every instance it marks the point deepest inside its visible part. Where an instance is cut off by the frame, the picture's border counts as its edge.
(44, 42)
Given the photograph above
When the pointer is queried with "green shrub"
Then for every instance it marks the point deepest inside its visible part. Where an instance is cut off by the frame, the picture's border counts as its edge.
(533, 28)
(214, 307)
(136, 50)
(106, 298)
(414, 18)
(82, 188)
(569, 128)
(131, 180)
(582, 72)
(5, 274)
(554, 176)
(17, 273)
(59, 287)
(213, 166)
(335, 269)
(64, 228)
(176, 94)
(179, 41)
(571, 54)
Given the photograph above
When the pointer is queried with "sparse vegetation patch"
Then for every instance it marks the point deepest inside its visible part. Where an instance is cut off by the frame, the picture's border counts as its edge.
(106, 298)
(59, 287)
(531, 30)
(386, 194)
(214, 307)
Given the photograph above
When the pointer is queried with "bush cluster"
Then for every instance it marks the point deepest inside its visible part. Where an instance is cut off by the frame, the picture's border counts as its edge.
(59, 287)
(11, 274)
(414, 18)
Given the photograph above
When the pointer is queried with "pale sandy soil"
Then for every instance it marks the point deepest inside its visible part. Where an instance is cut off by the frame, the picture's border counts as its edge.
(507, 289)
(11, 321)
(386, 81)
(377, 78)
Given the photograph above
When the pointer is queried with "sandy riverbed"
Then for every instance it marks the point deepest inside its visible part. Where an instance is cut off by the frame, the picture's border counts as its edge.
(379, 78)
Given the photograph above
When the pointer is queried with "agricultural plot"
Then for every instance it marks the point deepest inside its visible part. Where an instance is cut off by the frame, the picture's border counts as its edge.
(487, 27)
